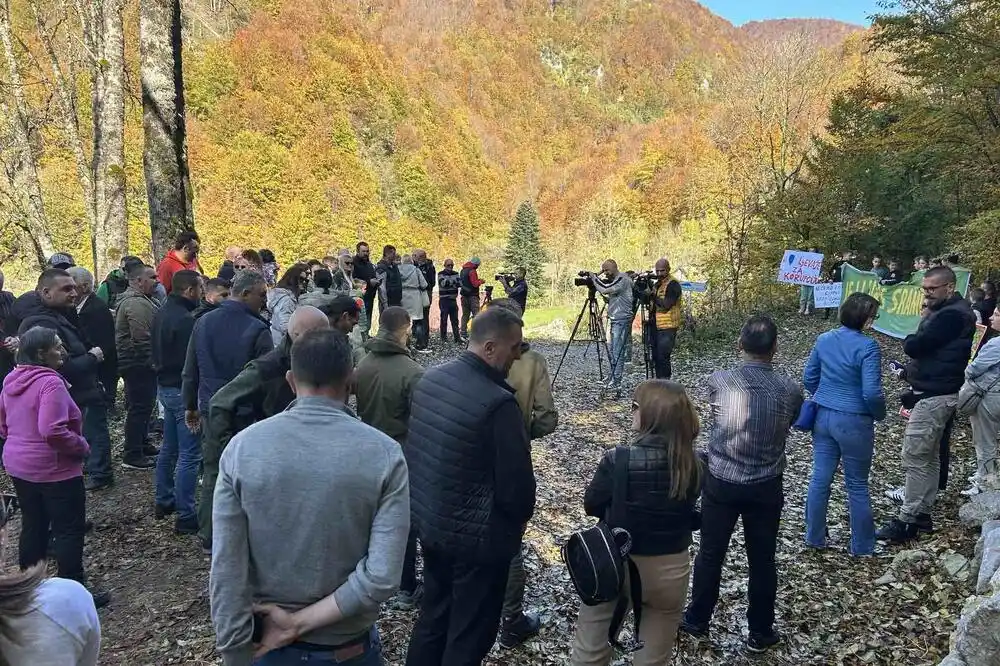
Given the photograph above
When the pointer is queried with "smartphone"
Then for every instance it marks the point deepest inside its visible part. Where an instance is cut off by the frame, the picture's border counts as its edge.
(258, 628)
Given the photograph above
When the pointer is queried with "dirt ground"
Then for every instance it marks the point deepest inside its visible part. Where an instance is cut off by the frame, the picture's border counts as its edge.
(829, 607)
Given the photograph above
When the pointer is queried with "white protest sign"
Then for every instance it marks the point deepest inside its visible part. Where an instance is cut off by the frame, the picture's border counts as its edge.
(800, 267)
(828, 295)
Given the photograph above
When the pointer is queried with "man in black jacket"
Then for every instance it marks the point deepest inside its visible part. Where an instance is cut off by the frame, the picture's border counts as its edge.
(53, 305)
(364, 270)
(448, 286)
(98, 324)
(390, 290)
(940, 350)
(180, 455)
(472, 491)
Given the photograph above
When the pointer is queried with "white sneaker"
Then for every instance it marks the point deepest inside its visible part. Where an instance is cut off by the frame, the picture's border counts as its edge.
(972, 490)
(897, 495)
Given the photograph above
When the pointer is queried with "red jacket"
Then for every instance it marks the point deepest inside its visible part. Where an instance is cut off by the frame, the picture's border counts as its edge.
(470, 279)
(170, 265)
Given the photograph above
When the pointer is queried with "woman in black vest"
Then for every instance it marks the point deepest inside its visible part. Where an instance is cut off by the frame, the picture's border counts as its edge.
(664, 481)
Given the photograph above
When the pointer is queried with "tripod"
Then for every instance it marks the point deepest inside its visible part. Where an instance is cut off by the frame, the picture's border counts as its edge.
(595, 335)
(647, 339)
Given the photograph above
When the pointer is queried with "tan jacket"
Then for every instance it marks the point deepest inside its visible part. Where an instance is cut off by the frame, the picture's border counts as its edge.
(133, 330)
(529, 376)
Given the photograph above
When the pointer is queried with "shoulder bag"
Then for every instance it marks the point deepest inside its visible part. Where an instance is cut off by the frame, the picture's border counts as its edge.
(597, 559)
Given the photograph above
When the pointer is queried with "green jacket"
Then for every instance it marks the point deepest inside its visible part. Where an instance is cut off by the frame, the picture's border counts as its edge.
(113, 287)
(258, 392)
(133, 330)
(386, 377)
(529, 376)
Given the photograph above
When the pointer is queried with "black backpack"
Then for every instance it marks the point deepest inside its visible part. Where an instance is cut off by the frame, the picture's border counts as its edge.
(597, 558)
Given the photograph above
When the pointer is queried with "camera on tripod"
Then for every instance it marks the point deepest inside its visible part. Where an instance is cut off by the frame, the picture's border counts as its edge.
(643, 286)
(583, 279)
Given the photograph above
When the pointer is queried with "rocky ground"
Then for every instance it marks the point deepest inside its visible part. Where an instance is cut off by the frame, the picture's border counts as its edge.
(832, 609)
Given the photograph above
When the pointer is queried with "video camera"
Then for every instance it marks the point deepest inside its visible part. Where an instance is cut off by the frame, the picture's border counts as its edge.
(583, 279)
(643, 279)
(505, 277)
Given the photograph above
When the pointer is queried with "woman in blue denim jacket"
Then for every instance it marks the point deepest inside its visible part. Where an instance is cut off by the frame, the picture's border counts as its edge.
(844, 375)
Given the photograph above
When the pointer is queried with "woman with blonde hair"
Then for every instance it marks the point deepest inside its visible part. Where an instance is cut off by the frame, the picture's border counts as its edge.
(664, 481)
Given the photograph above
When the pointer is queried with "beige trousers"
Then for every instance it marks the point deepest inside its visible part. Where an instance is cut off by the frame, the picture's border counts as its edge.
(664, 591)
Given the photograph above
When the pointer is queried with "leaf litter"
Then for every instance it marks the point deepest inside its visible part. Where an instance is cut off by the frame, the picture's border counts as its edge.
(831, 608)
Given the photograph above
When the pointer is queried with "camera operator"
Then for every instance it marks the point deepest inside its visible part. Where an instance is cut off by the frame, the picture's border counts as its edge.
(667, 315)
(617, 288)
(516, 286)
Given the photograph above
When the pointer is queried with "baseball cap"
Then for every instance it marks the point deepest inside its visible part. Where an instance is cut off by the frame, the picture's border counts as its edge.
(61, 260)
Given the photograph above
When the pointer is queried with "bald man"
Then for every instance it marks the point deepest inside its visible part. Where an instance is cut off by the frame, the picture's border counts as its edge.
(258, 392)
(667, 315)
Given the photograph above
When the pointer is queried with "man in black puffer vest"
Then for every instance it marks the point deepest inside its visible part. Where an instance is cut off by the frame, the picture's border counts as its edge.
(472, 491)
(940, 350)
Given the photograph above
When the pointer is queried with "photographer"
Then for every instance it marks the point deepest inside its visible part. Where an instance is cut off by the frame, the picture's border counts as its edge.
(667, 315)
(617, 288)
(516, 286)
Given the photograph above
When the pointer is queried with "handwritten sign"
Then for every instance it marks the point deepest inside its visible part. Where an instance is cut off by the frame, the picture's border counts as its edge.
(799, 267)
(828, 295)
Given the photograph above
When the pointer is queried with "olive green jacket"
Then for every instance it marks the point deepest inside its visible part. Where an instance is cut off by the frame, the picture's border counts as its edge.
(386, 377)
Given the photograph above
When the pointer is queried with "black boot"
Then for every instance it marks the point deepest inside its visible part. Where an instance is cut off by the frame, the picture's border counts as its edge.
(518, 630)
(924, 524)
(897, 532)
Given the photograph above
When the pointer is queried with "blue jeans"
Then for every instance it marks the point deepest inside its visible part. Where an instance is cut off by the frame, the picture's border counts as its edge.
(292, 656)
(95, 431)
(621, 331)
(849, 437)
(180, 454)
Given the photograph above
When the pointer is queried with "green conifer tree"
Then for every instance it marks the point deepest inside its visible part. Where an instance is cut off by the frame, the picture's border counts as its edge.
(524, 248)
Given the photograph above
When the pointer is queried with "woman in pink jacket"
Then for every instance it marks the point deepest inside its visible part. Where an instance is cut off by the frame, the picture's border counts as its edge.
(44, 453)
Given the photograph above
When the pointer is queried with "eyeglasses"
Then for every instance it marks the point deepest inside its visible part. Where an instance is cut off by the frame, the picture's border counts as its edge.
(241, 267)
(348, 263)
(931, 290)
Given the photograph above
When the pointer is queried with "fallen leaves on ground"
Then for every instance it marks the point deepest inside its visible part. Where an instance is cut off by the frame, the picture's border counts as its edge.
(830, 608)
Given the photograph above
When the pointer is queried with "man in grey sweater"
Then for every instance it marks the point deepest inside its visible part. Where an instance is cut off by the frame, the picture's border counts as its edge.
(311, 517)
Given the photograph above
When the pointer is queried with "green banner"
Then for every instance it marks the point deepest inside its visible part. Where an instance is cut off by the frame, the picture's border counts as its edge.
(901, 303)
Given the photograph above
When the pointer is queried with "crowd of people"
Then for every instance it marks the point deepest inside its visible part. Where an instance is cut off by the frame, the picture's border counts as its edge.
(316, 512)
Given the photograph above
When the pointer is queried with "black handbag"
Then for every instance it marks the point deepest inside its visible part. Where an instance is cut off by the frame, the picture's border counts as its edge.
(598, 557)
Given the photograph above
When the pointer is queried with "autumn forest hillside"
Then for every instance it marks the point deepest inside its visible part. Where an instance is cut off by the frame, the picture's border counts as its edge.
(427, 123)
(635, 128)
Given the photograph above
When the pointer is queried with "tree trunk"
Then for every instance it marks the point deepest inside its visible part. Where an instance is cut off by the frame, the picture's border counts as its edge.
(164, 158)
(109, 138)
(35, 222)
(65, 96)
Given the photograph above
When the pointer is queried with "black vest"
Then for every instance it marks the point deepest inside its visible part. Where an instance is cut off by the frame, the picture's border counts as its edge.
(451, 459)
